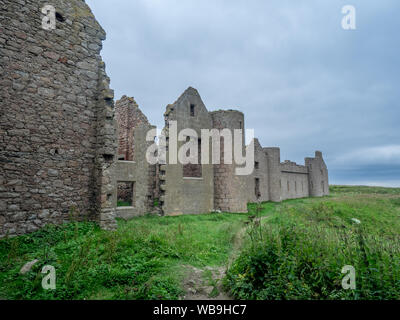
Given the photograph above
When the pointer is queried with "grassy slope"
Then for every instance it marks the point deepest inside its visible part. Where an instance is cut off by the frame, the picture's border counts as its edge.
(300, 250)
(142, 260)
(145, 257)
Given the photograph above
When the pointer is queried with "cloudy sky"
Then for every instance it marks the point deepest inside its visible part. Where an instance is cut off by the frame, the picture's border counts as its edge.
(303, 82)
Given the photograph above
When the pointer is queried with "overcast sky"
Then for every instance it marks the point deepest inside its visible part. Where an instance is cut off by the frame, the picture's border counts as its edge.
(303, 83)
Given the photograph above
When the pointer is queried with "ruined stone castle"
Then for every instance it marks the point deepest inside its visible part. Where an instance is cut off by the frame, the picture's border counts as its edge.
(66, 149)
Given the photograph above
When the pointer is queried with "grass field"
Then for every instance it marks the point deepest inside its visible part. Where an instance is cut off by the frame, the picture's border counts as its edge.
(296, 250)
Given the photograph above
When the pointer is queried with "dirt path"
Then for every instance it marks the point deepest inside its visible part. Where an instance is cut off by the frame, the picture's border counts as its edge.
(206, 283)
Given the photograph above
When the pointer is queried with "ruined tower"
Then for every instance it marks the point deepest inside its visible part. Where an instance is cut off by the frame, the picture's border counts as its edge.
(318, 175)
(229, 189)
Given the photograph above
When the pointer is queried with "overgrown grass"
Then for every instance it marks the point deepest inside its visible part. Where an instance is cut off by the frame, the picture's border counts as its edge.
(297, 251)
(304, 244)
(141, 260)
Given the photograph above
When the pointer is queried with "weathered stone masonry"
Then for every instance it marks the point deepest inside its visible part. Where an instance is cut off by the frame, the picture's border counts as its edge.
(57, 133)
(132, 166)
(218, 187)
(271, 180)
(65, 147)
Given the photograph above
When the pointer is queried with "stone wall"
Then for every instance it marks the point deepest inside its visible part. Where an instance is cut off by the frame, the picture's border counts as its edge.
(182, 192)
(231, 192)
(133, 127)
(128, 116)
(261, 174)
(189, 195)
(294, 181)
(319, 180)
(57, 136)
(274, 173)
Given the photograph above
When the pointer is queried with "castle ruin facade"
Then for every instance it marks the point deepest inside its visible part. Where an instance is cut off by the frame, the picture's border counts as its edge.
(66, 149)
(200, 188)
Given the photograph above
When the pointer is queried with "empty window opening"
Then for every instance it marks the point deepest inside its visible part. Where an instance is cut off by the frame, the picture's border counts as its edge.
(295, 186)
(323, 186)
(280, 184)
(125, 194)
(188, 151)
(257, 188)
(192, 110)
(257, 165)
(288, 186)
(59, 17)
(108, 158)
(194, 170)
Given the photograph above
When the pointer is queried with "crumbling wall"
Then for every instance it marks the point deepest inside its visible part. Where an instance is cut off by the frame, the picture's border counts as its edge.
(179, 194)
(139, 174)
(129, 117)
(258, 187)
(318, 172)
(133, 127)
(57, 136)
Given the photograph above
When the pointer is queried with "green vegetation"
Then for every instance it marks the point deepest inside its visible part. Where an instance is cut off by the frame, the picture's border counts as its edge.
(143, 259)
(296, 251)
(300, 250)
(123, 203)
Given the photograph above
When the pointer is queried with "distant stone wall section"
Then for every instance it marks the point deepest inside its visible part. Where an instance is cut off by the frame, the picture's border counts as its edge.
(294, 180)
(132, 165)
(271, 180)
(318, 175)
(194, 189)
(129, 117)
(260, 175)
